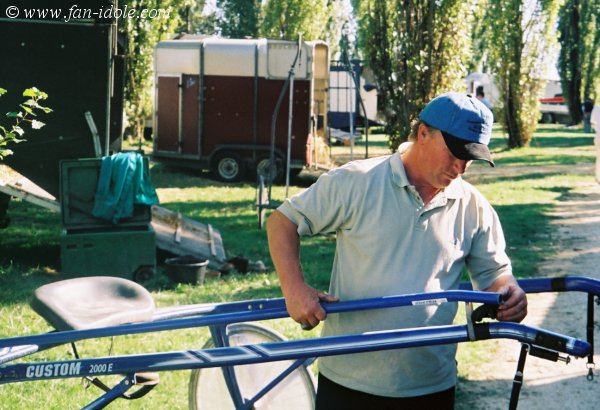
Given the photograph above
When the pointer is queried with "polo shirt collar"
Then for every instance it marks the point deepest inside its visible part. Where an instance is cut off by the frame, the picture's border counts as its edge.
(455, 190)
(398, 172)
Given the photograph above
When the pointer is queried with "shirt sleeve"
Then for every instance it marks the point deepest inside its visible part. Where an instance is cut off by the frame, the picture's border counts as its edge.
(320, 208)
(487, 260)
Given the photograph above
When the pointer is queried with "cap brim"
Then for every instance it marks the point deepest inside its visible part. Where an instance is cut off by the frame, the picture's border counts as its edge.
(467, 150)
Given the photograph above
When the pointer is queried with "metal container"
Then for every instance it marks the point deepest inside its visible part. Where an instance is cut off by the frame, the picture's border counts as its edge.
(186, 269)
(129, 254)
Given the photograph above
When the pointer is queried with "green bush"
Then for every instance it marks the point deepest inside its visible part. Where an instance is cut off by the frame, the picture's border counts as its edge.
(13, 133)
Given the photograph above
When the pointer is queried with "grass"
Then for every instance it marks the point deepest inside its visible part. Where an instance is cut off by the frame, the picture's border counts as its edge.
(539, 177)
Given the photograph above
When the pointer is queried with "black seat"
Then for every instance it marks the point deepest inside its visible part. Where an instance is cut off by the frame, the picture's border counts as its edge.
(91, 302)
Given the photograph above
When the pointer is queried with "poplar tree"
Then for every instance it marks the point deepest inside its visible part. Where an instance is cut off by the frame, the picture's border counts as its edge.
(520, 35)
(579, 59)
(417, 49)
(240, 18)
(286, 19)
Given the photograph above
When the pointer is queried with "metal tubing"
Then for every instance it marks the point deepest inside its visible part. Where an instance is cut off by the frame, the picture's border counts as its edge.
(562, 284)
(220, 339)
(288, 350)
(113, 394)
(270, 310)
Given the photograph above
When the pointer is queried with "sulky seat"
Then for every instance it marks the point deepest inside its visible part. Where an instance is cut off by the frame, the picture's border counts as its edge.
(91, 302)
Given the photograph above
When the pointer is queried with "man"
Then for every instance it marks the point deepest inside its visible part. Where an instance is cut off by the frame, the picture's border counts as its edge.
(586, 109)
(480, 94)
(404, 223)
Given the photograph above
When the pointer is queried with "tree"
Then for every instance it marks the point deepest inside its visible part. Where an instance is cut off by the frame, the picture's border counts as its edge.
(286, 19)
(417, 49)
(570, 57)
(579, 65)
(28, 109)
(240, 18)
(591, 56)
(341, 29)
(479, 61)
(519, 36)
(197, 20)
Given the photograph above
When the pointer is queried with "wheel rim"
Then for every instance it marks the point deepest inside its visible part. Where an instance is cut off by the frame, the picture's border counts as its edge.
(228, 168)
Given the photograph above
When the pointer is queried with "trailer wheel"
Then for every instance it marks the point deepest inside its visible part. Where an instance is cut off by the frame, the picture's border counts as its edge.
(228, 166)
(262, 168)
(547, 118)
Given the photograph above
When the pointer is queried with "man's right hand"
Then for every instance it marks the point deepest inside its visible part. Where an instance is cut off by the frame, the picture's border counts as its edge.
(304, 305)
(302, 301)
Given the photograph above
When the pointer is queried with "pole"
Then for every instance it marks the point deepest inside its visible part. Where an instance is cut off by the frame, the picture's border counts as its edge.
(291, 116)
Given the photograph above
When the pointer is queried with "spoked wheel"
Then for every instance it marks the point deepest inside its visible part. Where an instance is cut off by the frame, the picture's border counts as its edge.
(263, 166)
(209, 391)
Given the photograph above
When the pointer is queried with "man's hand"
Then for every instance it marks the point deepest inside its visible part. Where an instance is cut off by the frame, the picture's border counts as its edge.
(303, 303)
(514, 306)
(514, 299)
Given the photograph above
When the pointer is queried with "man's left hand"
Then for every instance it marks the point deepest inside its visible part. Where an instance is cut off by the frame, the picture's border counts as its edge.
(514, 305)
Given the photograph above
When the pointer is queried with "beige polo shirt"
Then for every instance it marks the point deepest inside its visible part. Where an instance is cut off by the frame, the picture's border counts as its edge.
(388, 242)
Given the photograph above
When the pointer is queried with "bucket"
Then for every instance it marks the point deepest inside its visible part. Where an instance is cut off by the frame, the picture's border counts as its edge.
(186, 269)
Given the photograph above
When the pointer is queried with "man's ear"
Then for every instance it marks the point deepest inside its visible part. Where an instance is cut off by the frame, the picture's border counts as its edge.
(422, 133)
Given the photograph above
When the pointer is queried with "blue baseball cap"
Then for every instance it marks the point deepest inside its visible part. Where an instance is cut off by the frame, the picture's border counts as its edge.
(465, 123)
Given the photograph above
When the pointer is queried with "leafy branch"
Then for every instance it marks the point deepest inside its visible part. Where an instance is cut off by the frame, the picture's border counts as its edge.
(28, 110)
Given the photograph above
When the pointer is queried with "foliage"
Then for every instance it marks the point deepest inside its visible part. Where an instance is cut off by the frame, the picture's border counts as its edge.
(569, 58)
(341, 29)
(141, 35)
(479, 46)
(240, 18)
(519, 37)
(591, 57)
(197, 20)
(417, 50)
(286, 19)
(281, 19)
(27, 110)
(579, 58)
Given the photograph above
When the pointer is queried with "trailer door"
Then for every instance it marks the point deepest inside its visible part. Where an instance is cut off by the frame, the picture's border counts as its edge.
(177, 116)
(189, 112)
(167, 118)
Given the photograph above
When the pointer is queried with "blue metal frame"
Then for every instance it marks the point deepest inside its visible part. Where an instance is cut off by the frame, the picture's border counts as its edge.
(291, 349)
(561, 284)
(218, 316)
(245, 312)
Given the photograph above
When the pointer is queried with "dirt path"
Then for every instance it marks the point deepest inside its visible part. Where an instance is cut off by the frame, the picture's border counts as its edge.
(550, 385)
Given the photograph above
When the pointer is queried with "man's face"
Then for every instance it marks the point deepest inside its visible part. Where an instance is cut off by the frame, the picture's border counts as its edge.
(440, 167)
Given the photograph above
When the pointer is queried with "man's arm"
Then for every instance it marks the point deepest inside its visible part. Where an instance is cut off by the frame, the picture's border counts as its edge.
(302, 301)
(514, 305)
